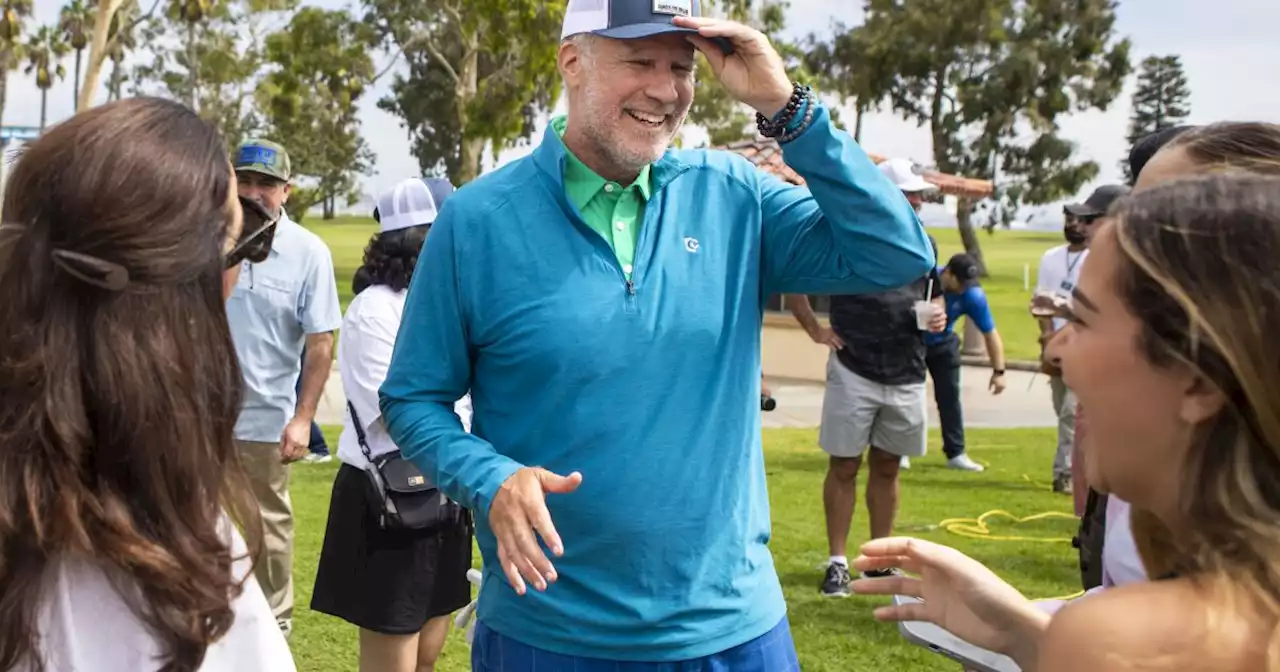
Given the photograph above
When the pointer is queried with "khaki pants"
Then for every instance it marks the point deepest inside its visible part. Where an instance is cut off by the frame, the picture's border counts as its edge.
(1064, 403)
(274, 569)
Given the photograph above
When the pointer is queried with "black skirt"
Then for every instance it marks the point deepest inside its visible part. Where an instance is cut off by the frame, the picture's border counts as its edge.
(388, 581)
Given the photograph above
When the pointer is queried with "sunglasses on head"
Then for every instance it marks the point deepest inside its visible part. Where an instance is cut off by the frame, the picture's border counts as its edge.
(254, 243)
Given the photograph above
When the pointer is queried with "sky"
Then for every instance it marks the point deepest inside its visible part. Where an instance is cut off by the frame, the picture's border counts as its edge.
(1228, 49)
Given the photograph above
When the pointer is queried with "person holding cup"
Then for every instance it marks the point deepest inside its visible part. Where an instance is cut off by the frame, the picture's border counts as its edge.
(1057, 276)
(875, 402)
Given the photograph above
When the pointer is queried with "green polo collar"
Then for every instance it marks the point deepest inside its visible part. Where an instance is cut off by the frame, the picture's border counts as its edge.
(581, 183)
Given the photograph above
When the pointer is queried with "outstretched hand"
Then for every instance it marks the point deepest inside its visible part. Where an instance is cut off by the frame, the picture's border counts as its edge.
(753, 73)
(519, 515)
(958, 594)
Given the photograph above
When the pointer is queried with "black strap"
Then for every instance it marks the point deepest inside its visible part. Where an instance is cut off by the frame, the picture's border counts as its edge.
(360, 437)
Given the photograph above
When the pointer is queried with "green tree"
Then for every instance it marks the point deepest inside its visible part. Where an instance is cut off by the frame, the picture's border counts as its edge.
(208, 53)
(1162, 100)
(13, 16)
(990, 78)
(191, 14)
(121, 40)
(320, 67)
(855, 66)
(45, 51)
(479, 73)
(111, 36)
(75, 21)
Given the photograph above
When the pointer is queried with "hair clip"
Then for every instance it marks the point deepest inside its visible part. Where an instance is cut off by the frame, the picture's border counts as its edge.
(89, 269)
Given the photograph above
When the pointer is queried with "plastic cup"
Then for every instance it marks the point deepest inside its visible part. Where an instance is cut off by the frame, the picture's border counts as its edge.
(924, 314)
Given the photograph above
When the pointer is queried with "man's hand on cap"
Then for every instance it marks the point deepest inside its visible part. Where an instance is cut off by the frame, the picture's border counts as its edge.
(753, 73)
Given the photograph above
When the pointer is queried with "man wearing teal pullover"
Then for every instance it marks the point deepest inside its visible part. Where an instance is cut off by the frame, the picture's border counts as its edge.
(602, 301)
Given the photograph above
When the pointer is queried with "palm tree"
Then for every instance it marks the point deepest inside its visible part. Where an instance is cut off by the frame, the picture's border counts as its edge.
(76, 23)
(12, 15)
(121, 40)
(45, 51)
(192, 13)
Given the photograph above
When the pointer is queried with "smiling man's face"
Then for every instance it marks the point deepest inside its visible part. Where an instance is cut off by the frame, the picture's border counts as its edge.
(630, 97)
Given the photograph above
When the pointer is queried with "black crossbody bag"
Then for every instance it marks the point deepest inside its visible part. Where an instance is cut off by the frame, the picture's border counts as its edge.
(409, 500)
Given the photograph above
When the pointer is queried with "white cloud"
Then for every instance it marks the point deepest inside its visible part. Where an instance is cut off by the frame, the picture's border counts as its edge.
(1228, 47)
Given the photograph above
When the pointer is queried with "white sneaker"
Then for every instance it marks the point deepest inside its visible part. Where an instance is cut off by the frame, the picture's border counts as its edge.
(313, 458)
(904, 463)
(964, 463)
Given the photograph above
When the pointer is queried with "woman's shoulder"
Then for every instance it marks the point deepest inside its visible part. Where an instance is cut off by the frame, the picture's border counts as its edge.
(1118, 627)
(86, 621)
(375, 305)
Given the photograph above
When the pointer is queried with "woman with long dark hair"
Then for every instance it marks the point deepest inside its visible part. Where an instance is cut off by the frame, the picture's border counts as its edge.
(397, 585)
(119, 391)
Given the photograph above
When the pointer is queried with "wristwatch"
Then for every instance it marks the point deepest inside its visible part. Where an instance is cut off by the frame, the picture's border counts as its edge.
(997, 372)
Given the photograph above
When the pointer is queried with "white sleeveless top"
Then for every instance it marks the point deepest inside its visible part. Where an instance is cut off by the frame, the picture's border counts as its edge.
(85, 626)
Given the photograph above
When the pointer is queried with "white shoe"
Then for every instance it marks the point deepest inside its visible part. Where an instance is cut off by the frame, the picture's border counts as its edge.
(964, 463)
(904, 463)
(313, 458)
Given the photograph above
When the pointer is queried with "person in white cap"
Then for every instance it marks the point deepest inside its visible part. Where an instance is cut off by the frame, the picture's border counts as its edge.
(875, 402)
(907, 176)
(601, 299)
(397, 585)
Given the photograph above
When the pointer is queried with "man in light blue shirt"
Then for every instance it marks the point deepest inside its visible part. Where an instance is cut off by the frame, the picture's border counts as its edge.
(625, 380)
(280, 306)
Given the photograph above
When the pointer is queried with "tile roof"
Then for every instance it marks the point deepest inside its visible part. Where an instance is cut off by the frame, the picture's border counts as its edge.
(767, 155)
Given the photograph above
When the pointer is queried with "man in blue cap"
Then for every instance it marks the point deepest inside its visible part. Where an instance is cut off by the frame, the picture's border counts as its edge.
(279, 307)
(602, 299)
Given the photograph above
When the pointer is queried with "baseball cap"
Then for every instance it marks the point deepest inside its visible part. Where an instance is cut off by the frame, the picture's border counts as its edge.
(1147, 147)
(631, 19)
(412, 202)
(1098, 202)
(905, 175)
(964, 268)
(265, 157)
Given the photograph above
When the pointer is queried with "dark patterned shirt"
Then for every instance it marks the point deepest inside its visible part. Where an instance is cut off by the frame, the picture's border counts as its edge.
(881, 340)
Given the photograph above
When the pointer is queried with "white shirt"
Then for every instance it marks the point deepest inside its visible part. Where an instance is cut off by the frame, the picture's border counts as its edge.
(275, 305)
(1121, 563)
(86, 626)
(1059, 272)
(364, 353)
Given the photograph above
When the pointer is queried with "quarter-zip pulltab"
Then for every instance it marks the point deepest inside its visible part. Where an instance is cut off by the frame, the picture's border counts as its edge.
(630, 304)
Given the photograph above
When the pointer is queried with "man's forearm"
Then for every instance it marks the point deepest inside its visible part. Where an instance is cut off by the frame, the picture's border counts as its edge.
(802, 310)
(995, 349)
(857, 233)
(315, 373)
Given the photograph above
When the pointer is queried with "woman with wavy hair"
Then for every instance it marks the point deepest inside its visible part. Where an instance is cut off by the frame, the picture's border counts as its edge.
(1107, 551)
(119, 391)
(1171, 349)
(398, 586)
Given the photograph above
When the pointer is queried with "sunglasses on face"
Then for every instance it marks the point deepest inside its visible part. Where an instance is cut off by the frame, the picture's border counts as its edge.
(254, 243)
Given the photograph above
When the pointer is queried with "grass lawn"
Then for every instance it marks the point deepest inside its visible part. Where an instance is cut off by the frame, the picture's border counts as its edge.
(831, 635)
(1006, 254)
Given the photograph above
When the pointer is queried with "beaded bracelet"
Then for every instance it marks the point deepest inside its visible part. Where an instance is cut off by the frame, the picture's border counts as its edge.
(811, 105)
(777, 126)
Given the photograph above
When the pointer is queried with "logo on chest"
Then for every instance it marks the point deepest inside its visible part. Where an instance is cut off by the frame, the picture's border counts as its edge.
(691, 245)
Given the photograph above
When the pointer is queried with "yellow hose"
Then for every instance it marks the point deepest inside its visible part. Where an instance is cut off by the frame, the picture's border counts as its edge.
(976, 528)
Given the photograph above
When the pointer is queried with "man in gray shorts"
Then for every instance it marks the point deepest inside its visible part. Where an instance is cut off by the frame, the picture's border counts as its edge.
(875, 396)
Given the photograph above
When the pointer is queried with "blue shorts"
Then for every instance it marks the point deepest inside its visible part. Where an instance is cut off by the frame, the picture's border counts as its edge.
(771, 652)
